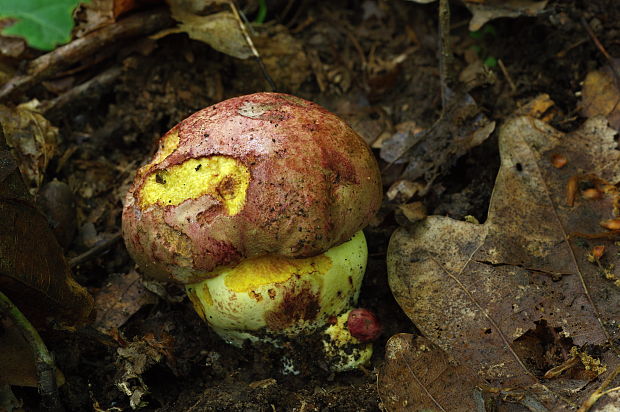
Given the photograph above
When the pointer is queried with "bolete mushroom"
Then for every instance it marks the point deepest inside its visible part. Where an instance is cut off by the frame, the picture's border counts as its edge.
(256, 205)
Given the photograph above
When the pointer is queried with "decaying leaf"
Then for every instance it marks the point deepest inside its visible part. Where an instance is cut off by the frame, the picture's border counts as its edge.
(33, 271)
(510, 298)
(429, 152)
(601, 95)
(121, 297)
(96, 14)
(220, 30)
(17, 361)
(11, 46)
(283, 56)
(417, 375)
(540, 107)
(486, 10)
(135, 359)
(32, 138)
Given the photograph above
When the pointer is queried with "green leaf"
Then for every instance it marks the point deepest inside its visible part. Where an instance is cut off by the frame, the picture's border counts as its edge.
(43, 23)
(490, 62)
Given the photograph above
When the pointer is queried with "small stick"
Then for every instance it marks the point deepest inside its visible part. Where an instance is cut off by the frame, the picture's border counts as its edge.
(501, 65)
(44, 363)
(600, 47)
(445, 78)
(101, 81)
(248, 39)
(600, 391)
(64, 56)
(95, 250)
(445, 54)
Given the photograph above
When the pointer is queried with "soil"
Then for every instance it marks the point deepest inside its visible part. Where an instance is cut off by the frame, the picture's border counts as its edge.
(344, 55)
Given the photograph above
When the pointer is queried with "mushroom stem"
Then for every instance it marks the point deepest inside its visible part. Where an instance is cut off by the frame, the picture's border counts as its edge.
(272, 298)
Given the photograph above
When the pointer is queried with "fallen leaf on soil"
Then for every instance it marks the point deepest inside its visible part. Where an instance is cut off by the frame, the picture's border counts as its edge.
(484, 11)
(11, 46)
(283, 56)
(601, 95)
(96, 14)
(418, 375)
(32, 138)
(135, 359)
(17, 360)
(33, 271)
(510, 298)
(428, 153)
(219, 30)
(120, 298)
(540, 107)
(413, 211)
(367, 120)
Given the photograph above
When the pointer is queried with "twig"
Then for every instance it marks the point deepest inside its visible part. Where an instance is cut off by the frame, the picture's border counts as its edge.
(445, 78)
(600, 47)
(101, 81)
(95, 250)
(445, 54)
(600, 391)
(286, 10)
(248, 39)
(44, 363)
(64, 56)
(512, 84)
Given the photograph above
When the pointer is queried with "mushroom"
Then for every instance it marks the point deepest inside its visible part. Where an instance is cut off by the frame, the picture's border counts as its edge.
(256, 205)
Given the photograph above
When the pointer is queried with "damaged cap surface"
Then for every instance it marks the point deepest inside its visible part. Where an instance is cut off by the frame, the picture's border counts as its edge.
(262, 174)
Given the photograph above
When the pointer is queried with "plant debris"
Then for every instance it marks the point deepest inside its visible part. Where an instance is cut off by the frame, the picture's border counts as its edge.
(510, 297)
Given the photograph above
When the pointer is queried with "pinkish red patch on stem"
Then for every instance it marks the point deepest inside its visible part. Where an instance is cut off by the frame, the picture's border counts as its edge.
(364, 325)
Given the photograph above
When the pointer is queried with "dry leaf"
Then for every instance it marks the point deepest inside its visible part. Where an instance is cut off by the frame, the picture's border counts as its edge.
(511, 297)
(96, 14)
(17, 359)
(434, 150)
(11, 46)
(283, 56)
(135, 359)
(417, 375)
(33, 271)
(540, 107)
(494, 9)
(601, 95)
(486, 10)
(219, 30)
(32, 138)
(413, 211)
(119, 299)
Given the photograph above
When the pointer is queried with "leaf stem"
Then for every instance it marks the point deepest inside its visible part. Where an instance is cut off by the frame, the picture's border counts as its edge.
(44, 363)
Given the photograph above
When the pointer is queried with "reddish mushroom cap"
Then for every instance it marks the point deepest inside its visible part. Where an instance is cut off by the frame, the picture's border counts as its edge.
(283, 175)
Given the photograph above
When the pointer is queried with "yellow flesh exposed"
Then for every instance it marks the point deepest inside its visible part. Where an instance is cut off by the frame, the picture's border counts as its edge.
(167, 145)
(224, 178)
(253, 273)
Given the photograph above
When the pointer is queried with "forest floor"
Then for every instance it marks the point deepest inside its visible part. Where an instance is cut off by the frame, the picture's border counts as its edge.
(375, 64)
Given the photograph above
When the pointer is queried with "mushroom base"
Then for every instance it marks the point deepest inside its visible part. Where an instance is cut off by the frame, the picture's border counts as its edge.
(342, 350)
(272, 299)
